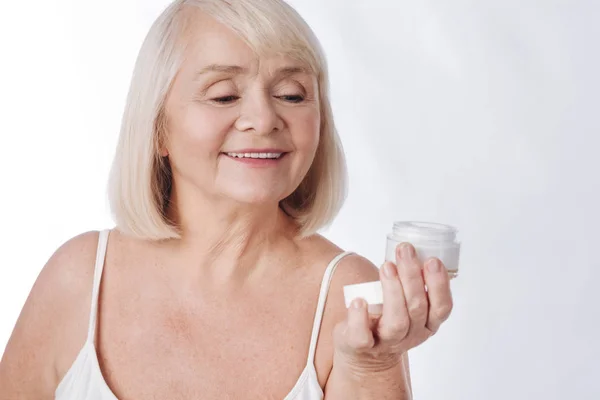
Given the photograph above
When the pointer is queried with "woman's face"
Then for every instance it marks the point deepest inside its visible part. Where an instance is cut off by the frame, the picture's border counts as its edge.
(239, 127)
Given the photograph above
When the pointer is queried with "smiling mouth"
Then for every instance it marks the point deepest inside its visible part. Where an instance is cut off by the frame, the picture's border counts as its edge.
(256, 156)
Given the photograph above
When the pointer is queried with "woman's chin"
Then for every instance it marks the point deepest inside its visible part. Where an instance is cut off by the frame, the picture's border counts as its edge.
(257, 199)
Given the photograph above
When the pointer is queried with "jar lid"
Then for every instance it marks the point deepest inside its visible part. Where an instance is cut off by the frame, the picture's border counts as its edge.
(371, 292)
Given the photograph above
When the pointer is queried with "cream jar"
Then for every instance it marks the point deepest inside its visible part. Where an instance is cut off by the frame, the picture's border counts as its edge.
(429, 240)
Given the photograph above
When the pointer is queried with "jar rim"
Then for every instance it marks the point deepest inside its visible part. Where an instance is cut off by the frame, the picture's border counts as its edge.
(425, 230)
(424, 225)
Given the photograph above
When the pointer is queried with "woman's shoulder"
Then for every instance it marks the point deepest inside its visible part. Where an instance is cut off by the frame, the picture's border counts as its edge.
(66, 281)
(62, 290)
(353, 268)
(53, 321)
(350, 269)
(70, 269)
(66, 277)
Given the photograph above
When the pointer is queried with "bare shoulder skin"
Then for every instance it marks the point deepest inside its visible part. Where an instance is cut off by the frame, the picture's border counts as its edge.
(52, 325)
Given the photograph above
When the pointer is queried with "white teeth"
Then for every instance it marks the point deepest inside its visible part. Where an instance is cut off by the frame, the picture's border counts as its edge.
(255, 155)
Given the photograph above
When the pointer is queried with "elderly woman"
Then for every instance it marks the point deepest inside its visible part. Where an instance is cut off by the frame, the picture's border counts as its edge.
(214, 283)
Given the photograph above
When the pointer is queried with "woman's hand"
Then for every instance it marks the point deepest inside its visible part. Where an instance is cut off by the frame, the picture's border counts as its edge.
(366, 344)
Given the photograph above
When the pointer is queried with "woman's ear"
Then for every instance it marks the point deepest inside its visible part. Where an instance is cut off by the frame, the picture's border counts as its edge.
(161, 146)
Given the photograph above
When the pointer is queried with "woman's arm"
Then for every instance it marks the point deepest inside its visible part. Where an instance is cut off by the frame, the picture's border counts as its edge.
(392, 384)
(342, 383)
(52, 323)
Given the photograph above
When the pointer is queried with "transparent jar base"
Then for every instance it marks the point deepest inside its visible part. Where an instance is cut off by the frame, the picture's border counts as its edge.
(453, 273)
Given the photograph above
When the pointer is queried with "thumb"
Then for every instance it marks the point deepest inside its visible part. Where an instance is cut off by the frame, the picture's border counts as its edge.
(354, 335)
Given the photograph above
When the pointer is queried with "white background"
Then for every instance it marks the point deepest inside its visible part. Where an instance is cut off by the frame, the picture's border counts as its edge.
(481, 114)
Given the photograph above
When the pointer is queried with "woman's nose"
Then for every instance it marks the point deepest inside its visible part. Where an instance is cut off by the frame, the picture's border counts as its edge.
(258, 115)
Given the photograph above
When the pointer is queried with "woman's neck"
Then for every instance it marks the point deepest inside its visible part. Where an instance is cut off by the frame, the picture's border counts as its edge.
(225, 239)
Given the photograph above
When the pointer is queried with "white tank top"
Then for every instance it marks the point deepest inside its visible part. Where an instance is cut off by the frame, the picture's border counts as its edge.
(84, 380)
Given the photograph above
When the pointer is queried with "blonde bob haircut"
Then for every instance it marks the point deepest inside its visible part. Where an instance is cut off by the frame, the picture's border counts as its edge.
(140, 179)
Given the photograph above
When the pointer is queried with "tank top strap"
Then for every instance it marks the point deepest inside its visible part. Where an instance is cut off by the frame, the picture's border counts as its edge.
(321, 304)
(98, 267)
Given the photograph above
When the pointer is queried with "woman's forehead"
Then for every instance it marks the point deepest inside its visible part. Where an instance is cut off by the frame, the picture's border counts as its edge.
(201, 64)
(213, 47)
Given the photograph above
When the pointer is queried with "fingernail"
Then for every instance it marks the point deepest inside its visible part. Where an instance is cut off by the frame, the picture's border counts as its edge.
(433, 265)
(407, 251)
(358, 303)
(389, 270)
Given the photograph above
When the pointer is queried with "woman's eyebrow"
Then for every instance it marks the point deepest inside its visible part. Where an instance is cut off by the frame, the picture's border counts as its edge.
(237, 69)
(291, 70)
(231, 69)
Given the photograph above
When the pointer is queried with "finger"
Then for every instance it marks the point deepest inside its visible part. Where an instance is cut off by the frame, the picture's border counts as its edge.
(438, 290)
(395, 321)
(358, 331)
(411, 278)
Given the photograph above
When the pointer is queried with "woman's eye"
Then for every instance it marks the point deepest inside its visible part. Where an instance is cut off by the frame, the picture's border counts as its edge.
(226, 99)
(292, 98)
